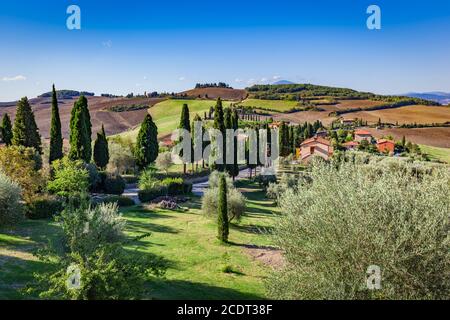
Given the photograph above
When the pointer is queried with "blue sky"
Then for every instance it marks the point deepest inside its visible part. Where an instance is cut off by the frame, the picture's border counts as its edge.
(137, 46)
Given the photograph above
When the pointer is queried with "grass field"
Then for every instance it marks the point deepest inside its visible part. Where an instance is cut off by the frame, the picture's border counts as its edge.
(277, 105)
(441, 154)
(186, 241)
(167, 114)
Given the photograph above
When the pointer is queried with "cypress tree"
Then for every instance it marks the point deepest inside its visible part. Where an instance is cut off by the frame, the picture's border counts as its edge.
(25, 131)
(219, 125)
(147, 147)
(101, 151)
(235, 124)
(222, 210)
(56, 140)
(6, 130)
(186, 125)
(80, 131)
(228, 123)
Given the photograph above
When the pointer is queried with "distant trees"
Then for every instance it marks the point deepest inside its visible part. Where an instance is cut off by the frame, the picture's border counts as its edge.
(212, 85)
(56, 140)
(223, 225)
(101, 151)
(80, 131)
(6, 130)
(147, 148)
(26, 132)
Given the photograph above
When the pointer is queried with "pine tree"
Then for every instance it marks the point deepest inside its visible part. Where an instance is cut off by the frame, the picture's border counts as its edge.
(56, 140)
(6, 130)
(186, 125)
(80, 131)
(222, 211)
(101, 151)
(147, 147)
(25, 131)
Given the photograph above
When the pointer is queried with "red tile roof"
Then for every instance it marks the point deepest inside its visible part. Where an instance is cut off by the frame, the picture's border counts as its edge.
(351, 144)
(381, 141)
(362, 132)
(317, 139)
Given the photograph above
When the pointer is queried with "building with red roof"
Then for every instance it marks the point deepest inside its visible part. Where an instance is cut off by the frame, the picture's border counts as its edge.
(316, 146)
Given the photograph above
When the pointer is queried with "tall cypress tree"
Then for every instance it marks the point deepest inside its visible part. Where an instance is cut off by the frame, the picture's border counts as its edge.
(186, 125)
(235, 125)
(25, 131)
(80, 131)
(222, 211)
(147, 149)
(101, 151)
(56, 140)
(219, 124)
(6, 130)
(228, 123)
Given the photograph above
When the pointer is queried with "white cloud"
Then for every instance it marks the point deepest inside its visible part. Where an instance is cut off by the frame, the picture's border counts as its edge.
(181, 78)
(238, 80)
(276, 77)
(107, 44)
(264, 80)
(16, 78)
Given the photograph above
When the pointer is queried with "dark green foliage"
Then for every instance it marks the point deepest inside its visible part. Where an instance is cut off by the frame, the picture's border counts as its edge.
(176, 186)
(6, 130)
(235, 125)
(121, 201)
(80, 131)
(127, 107)
(223, 227)
(114, 184)
(151, 194)
(101, 152)
(67, 94)
(43, 207)
(219, 124)
(147, 147)
(56, 139)
(186, 125)
(26, 132)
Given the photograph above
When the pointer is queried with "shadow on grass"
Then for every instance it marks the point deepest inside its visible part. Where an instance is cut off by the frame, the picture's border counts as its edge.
(253, 228)
(143, 226)
(162, 289)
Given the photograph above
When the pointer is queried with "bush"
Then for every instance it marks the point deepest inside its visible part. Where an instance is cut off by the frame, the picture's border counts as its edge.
(213, 180)
(352, 216)
(11, 210)
(148, 179)
(151, 194)
(44, 207)
(70, 177)
(95, 178)
(164, 161)
(120, 200)
(121, 158)
(235, 203)
(114, 184)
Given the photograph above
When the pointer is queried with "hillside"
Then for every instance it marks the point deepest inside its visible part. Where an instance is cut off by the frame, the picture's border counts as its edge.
(214, 93)
(115, 122)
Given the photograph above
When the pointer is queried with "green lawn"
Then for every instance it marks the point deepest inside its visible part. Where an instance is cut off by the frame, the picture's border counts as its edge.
(185, 240)
(442, 154)
(277, 105)
(166, 114)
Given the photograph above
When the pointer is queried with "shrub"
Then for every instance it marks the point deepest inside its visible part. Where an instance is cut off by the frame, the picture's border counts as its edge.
(148, 179)
(235, 203)
(174, 186)
(287, 181)
(93, 255)
(95, 178)
(164, 161)
(352, 216)
(70, 177)
(151, 194)
(11, 210)
(43, 207)
(213, 180)
(121, 201)
(21, 165)
(114, 184)
(121, 159)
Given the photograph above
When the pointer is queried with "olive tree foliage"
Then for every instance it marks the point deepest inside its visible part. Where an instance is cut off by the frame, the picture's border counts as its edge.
(121, 159)
(286, 182)
(90, 260)
(235, 200)
(11, 210)
(164, 161)
(350, 216)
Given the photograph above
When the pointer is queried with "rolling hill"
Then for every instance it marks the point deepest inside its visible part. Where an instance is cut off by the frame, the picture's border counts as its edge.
(214, 93)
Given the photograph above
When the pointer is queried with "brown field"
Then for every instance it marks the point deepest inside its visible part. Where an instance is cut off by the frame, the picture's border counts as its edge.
(405, 115)
(214, 93)
(114, 122)
(436, 137)
(351, 104)
(305, 116)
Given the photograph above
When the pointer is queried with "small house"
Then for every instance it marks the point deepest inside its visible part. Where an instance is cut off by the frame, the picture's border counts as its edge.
(361, 135)
(316, 146)
(385, 146)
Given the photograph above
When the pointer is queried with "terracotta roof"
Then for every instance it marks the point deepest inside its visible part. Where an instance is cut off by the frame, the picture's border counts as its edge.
(317, 139)
(381, 141)
(362, 132)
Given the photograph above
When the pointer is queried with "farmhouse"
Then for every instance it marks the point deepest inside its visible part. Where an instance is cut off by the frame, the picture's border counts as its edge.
(361, 135)
(385, 146)
(316, 146)
(347, 122)
(322, 133)
(352, 145)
